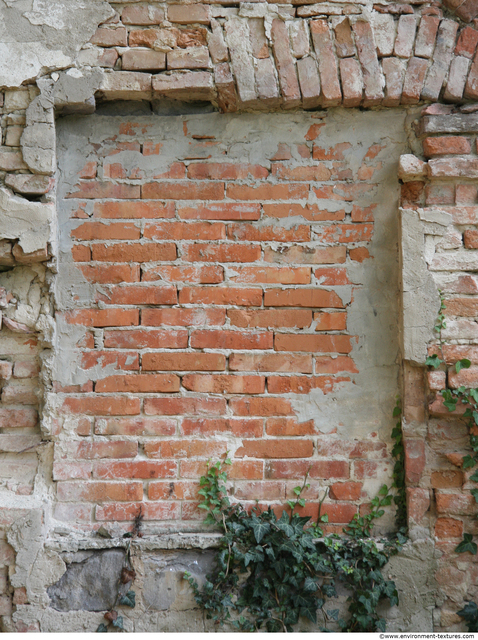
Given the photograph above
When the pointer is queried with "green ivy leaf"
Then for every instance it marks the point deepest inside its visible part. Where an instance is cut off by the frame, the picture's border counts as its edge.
(432, 361)
(470, 614)
(118, 623)
(464, 363)
(467, 545)
(102, 628)
(129, 599)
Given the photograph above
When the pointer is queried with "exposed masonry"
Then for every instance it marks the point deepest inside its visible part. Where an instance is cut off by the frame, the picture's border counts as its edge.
(254, 56)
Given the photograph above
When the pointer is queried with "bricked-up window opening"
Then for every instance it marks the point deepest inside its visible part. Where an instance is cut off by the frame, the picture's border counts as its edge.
(230, 283)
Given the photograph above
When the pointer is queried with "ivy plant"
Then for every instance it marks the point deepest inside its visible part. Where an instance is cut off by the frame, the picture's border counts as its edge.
(271, 571)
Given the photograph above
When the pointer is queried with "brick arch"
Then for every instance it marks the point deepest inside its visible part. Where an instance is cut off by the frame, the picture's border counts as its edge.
(290, 57)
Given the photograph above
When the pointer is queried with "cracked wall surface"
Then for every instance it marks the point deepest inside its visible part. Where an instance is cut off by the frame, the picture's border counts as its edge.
(134, 61)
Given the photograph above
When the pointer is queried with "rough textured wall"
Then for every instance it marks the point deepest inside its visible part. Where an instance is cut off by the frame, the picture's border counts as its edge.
(250, 56)
(225, 283)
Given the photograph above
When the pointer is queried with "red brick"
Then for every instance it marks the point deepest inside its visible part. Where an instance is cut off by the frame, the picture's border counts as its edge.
(332, 276)
(345, 491)
(466, 377)
(134, 209)
(186, 14)
(185, 449)
(72, 470)
(301, 298)
(180, 406)
(221, 211)
(224, 384)
(313, 343)
(260, 491)
(274, 233)
(301, 384)
(129, 511)
(372, 75)
(270, 318)
(453, 352)
(463, 307)
(470, 238)
(135, 427)
(260, 407)
(448, 528)
(80, 253)
(268, 192)
(365, 469)
(104, 37)
(413, 81)
(144, 383)
(128, 361)
(467, 42)
(321, 37)
(414, 460)
(99, 491)
(173, 491)
(102, 406)
(184, 231)
(285, 64)
(446, 479)
(272, 275)
(139, 295)
(330, 321)
(183, 191)
(103, 231)
(111, 274)
(183, 317)
(142, 15)
(250, 428)
(443, 145)
(148, 38)
(240, 469)
(221, 253)
(309, 212)
(289, 427)
(103, 317)
(367, 449)
(183, 362)
(135, 252)
(146, 339)
(139, 469)
(345, 233)
(343, 513)
(466, 194)
(222, 339)
(134, 60)
(91, 189)
(304, 255)
(226, 171)
(221, 296)
(359, 254)
(426, 36)
(192, 274)
(270, 362)
(276, 449)
(458, 504)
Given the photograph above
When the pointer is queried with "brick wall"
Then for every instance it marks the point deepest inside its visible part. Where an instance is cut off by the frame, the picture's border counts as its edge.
(218, 302)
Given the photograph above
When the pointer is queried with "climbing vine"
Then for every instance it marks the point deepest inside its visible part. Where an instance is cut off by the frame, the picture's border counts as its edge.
(125, 596)
(271, 571)
(452, 399)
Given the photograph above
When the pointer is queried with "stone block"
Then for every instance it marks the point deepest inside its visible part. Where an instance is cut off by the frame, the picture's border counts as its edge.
(137, 60)
(185, 86)
(193, 58)
(126, 85)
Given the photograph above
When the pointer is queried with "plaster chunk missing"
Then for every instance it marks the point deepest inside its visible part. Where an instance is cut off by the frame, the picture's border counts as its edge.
(30, 222)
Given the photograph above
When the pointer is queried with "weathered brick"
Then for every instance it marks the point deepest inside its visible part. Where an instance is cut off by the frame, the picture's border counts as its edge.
(441, 59)
(146, 339)
(426, 36)
(195, 85)
(226, 88)
(414, 80)
(305, 255)
(102, 405)
(240, 297)
(270, 362)
(448, 528)
(352, 82)
(407, 26)
(444, 145)
(322, 40)
(142, 15)
(345, 491)
(179, 406)
(372, 74)
(193, 58)
(418, 503)
(309, 82)
(302, 298)
(393, 70)
(289, 427)
(267, 406)
(143, 383)
(135, 427)
(191, 13)
(183, 317)
(285, 64)
(183, 362)
(456, 79)
(133, 209)
(135, 60)
(237, 38)
(130, 510)
(467, 42)
(415, 460)
(243, 428)
(316, 343)
(222, 253)
(103, 317)
(276, 449)
(270, 318)
(110, 37)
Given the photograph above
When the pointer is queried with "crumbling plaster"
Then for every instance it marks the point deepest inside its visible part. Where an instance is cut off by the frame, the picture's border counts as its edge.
(46, 36)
